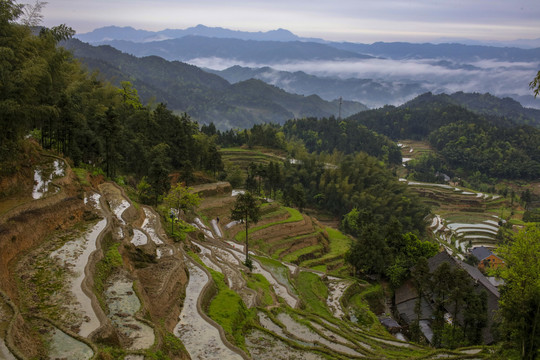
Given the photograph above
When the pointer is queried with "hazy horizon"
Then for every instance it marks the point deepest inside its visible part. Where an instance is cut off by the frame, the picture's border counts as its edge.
(349, 20)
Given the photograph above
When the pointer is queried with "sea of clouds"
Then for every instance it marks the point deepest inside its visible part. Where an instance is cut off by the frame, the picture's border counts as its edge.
(500, 78)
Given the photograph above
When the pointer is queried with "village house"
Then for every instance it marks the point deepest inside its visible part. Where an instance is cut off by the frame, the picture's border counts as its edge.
(486, 258)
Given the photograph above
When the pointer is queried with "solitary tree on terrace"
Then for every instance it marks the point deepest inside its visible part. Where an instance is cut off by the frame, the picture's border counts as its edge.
(182, 198)
(246, 209)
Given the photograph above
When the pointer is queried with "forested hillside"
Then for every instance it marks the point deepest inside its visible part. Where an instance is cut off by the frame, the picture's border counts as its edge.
(466, 141)
(331, 134)
(205, 97)
(45, 92)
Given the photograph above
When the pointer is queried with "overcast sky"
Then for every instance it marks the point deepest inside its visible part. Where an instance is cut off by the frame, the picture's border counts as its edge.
(345, 20)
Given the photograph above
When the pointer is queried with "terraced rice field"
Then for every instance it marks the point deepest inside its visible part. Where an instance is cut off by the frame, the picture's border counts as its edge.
(243, 157)
(319, 325)
(296, 302)
(463, 219)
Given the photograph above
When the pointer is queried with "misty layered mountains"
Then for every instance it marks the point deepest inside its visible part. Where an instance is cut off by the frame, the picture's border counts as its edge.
(371, 92)
(300, 82)
(373, 74)
(204, 96)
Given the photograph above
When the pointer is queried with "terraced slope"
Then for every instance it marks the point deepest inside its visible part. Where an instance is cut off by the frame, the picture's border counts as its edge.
(110, 283)
(297, 311)
(242, 157)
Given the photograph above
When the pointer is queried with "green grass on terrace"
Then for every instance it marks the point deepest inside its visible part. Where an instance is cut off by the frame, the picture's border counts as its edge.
(259, 283)
(313, 292)
(293, 257)
(227, 308)
(339, 245)
(295, 216)
(279, 246)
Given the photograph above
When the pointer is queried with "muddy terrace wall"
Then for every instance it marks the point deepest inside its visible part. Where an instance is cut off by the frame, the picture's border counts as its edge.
(29, 228)
(207, 190)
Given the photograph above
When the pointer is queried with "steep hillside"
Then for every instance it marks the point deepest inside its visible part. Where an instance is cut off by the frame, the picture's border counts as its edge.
(206, 97)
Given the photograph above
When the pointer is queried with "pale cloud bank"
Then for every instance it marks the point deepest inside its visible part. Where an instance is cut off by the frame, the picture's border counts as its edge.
(497, 78)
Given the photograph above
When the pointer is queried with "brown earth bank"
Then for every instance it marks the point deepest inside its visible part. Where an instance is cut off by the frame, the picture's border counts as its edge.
(24, 228)
(207, 190)
(161, 282)
(164, 286)
(16, 176)
(24, 231)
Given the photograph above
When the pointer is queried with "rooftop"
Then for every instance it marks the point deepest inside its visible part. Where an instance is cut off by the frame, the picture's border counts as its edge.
(481, 252)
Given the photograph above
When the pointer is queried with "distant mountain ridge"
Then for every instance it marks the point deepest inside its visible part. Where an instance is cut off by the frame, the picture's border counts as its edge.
(202, 41)
(204, 96)
(459, 52)
(129, 33)
(193, 47)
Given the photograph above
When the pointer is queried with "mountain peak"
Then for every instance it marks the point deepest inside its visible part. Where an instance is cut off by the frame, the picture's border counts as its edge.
(128, 33)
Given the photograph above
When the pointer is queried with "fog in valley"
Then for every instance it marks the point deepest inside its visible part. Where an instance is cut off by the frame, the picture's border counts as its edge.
(404, 79)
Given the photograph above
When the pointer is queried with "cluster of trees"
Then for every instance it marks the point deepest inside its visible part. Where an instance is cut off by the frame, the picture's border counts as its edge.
(520, 296)
(449, 290)
(358, 181)
(331, 134)
(429, 167)
(497, 151)
(94, 123)
(33, 74)
(324, 135)
(382, 248)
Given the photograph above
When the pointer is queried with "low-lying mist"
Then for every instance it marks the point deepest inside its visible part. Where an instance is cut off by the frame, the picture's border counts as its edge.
(402, 80)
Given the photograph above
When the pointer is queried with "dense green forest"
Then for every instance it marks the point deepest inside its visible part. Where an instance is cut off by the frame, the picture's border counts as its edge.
(331, 134)
(466, 142)
(45, 92)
